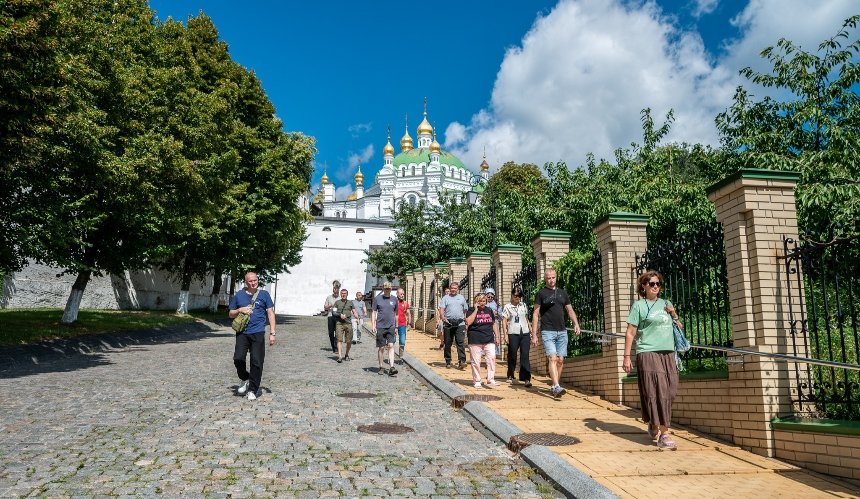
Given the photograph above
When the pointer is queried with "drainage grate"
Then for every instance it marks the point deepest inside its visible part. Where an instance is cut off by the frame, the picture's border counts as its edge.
(460, 400)
(523, 440)
(357, 395)
(384, 428)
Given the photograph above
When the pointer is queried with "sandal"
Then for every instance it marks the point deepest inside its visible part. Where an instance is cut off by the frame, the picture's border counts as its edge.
(665, 442)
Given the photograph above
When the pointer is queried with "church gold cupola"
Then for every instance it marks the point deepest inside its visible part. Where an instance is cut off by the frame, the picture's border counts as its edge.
(406, 140)
(425, 130)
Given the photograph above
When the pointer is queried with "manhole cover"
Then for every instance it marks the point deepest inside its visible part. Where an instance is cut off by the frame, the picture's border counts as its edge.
(523, 440)
(384, 428)
(357, 395)
(460, 400)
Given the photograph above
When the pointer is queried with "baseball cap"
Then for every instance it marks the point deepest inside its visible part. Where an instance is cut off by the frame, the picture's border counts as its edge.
(489, 291)
(386, 285)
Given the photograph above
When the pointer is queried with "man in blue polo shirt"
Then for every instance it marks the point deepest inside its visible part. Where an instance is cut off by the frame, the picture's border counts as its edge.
(253, 338)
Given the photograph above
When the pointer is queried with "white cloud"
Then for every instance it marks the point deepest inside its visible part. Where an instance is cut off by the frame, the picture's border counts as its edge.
(342, 192)
(360, 128)
(583, 73)
(704, 7)
(361, 157)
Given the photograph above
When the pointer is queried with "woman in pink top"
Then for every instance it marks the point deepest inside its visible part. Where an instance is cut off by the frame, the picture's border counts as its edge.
(402, 310)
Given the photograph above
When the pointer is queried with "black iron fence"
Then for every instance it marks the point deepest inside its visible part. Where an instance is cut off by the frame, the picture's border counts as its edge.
(526, 280)
(489, 280)
(823, 283)
(693, 265)
(586, 296)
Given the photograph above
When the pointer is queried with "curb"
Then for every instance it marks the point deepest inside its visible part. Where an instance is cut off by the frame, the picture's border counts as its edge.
(571, 481)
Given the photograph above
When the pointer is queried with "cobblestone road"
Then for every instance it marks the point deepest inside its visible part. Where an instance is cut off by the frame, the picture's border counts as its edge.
(156, 414)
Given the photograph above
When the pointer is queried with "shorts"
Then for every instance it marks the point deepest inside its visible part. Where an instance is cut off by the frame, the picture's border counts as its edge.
(386, 336)
(555, 343)
(343, 331)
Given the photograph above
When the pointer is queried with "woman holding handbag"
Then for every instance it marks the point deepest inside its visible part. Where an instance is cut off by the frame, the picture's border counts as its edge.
(651, 325)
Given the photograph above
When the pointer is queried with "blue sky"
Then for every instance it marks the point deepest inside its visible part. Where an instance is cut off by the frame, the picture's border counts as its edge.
(527, 80)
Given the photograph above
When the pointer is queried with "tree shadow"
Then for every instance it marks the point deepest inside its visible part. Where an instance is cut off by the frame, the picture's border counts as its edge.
(86, 351)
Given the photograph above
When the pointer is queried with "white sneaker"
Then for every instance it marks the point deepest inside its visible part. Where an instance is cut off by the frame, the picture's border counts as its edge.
(243, 387)
(478, 385)
(252, 396)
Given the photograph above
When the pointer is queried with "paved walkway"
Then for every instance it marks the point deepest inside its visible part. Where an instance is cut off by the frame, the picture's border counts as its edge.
(617, 452)
(155, 413)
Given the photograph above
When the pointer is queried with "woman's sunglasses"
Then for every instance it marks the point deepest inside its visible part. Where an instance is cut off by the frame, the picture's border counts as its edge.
(655, 284)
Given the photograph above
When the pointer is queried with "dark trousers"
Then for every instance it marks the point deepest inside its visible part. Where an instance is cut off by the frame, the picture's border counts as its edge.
(519, 344)
(256, 343)
(332, 323)
(454, 332)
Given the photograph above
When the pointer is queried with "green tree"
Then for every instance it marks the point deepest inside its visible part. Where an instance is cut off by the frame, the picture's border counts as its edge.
(815, 131)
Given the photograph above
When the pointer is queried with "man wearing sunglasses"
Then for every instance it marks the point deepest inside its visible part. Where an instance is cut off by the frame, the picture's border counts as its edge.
(550, 305)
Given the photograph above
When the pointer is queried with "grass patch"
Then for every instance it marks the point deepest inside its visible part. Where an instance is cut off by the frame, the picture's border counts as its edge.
(25, 326)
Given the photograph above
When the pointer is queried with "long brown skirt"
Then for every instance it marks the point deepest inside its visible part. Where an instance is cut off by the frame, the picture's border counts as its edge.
(658, 385)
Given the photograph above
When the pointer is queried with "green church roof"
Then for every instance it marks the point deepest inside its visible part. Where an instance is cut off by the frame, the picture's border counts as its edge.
(423, 156)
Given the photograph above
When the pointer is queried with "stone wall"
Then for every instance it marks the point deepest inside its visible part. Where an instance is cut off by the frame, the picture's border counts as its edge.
(41, 286)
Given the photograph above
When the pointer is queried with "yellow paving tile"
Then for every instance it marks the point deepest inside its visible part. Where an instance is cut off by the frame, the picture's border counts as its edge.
(614, 448)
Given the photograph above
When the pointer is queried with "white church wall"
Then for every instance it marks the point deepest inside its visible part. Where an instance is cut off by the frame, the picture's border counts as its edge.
(328, 255)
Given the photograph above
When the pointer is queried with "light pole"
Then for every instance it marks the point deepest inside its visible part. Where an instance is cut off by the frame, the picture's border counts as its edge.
(473, 199)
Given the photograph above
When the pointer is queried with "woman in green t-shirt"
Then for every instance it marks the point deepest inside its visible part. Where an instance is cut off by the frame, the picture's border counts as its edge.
(650, 325)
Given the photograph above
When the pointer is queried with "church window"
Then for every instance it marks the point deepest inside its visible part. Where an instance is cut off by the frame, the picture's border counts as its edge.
(413, 170)
(359, 231)
(326, 229)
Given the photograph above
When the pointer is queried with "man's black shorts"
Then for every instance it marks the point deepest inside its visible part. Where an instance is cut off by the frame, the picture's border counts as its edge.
(386, 336)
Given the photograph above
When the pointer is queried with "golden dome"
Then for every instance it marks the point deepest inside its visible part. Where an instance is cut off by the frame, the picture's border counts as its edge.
(324, 179)
(434, 146)
(319, 197)
(388, 150)
(484, 165)
(359, 177)
(352, 197)
(406, 143)
(424, 127)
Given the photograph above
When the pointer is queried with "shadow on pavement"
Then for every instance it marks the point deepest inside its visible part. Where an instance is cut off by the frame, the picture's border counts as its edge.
(86, 351)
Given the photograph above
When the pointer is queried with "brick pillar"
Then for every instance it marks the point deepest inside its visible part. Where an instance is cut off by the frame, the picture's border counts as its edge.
(620, 236)
(548, 247)
(419, 288)
(429, 276)
(479, 264)
(440, 270)
(409, 281)
(509, 261)
(457, 269)
(757, 209)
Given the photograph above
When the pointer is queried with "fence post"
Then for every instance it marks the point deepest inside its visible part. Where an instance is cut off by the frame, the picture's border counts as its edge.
(428, 275)
(456, 269)
(438, 269)
(509, 261)
(548, 246)
(620, 236)
(479, 264)
(757, 209)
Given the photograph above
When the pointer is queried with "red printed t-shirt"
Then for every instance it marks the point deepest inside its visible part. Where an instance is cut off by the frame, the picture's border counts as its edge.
(402, 308)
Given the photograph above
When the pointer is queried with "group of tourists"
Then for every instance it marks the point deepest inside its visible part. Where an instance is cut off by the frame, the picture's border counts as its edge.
(347, 318)
(650, 328)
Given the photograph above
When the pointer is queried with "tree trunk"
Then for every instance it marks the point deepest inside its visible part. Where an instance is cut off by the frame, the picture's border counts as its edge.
(73, 305)
(217, 278)
(182, 307)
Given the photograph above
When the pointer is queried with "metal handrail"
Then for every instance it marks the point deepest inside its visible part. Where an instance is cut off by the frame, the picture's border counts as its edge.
(776, 356)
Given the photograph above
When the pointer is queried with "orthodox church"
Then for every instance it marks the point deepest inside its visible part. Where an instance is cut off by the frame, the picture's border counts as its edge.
(424, 173)
(342, 231)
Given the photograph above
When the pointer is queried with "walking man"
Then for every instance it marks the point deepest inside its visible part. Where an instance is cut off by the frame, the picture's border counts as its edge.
(361, 310)
(452, 311)
(548, 318)
(384, 325)
(344, 312)
(332, 320)
(258, 304)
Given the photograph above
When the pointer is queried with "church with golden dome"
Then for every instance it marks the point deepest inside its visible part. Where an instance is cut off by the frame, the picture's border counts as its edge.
(423, 173)
(340, 232)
